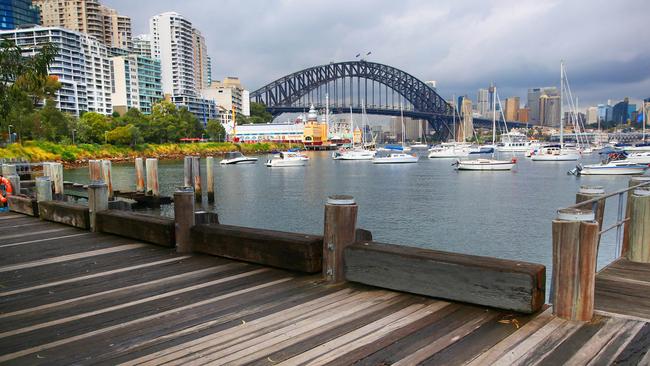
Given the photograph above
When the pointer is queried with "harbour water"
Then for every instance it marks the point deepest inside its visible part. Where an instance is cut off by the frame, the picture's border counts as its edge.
(429, 204)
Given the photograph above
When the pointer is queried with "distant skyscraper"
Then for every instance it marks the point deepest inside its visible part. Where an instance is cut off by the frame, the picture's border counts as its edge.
(14, 13)
(512, 108)
(621, 111)
(522, 115)
(535, 115)
(549, 110)
(87, 16)
(201, 61)
(592, 115)
(483, 102)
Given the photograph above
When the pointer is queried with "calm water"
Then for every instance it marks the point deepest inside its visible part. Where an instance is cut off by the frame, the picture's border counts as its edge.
(429, 204)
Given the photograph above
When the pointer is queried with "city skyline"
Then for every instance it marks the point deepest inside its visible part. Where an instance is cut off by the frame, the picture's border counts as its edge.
(461, 45)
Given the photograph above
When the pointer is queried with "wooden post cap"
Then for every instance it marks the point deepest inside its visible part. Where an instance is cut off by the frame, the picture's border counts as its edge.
(591, 190)
(340, 200)
(642, 192)
(575, 214)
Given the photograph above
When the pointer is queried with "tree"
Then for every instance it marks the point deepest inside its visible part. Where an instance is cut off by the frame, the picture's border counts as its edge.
(51, 124)
(124, 135)
(259, 114)
(92, 127)
(189, 125)
(216, 130)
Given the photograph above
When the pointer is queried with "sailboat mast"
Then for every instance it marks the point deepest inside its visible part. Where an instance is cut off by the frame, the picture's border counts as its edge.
(494, 115)
(352, 126)
(453, 100)
(561, 103)
(644, 117)
(401, 114)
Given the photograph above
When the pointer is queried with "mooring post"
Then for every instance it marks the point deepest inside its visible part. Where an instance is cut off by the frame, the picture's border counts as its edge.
(139, 175)
(187, 172)
(590, 192)
(14, 180)
(639, 240)
(152, 177)
(97, 201)
(196, 177)
(339, 232)
(106, 177)
(183, 218)
(575, 243)
(43, 189)
(56, 176)
(95, 170)
(209, 179)
(634, 181)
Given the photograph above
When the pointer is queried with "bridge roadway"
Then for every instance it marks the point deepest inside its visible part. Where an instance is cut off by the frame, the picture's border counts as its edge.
(69, 296)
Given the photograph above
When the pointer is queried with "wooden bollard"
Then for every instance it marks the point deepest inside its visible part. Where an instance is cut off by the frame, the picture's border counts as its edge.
(586, 193)
(575, 243)
(183, 218)
(639, 244)
(187, 172)
(95, 170)
(56, 176)
(209, 177)
(97, 201)
(43, 189)
(196, 177)
(634, 181)
(339, 232)
(107, 177)
(152, 177)
(139, 175)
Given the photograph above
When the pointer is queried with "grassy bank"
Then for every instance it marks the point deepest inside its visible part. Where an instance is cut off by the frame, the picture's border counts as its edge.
(37, 151)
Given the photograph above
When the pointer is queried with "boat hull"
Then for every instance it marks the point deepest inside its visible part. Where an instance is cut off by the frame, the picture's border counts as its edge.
(613, 170)
(238, 161)
(485, 166)
(562, 157)
(278, 163)
(395, 160)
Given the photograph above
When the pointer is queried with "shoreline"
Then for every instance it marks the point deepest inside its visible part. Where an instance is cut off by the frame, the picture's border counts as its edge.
(74, 156)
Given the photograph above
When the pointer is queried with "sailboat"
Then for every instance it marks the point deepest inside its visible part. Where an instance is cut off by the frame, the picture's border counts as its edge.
(557, 152)
(451, 150)
(488, 164)
(645, 145)
(397, 156)
(356, 152)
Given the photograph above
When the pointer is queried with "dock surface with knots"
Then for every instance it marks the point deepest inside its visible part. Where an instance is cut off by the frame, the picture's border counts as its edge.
(72, 296)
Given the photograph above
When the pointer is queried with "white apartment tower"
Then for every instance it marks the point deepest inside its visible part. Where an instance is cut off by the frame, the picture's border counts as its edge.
(142, 45)
(82, 67)
(172, 42)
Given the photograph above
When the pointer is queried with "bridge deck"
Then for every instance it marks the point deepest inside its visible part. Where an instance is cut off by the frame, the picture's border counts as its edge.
(70, 296)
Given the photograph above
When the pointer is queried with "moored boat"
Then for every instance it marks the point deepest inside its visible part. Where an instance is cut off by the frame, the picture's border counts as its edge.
(236, 157)
(395, 158)
(618, 167)
(485, 164)
(287, 159)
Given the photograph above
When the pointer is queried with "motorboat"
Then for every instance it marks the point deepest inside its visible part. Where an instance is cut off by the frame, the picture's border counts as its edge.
(555, 153)
(616, 167)
(287, 159)
(395, 158)
(639, 157)
(236, 157)
(516, 142)
(485, 164)
(354, 154)
(641, 147)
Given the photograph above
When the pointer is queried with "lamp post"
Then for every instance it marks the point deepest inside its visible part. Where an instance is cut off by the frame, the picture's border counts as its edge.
(73, 132)
(105, 137)
(9, 128)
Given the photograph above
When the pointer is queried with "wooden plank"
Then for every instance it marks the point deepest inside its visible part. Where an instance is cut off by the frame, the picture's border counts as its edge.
(486, 281)
(292, 251)
(597, 342)
(637, 350)
(64, 341)
(576, 341)
(23, 234)
(42, 240)
(65, 258)
(617, 344)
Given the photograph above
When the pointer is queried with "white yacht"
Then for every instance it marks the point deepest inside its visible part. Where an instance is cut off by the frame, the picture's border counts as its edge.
(398, 155)
(236, 157)
(353, 154)
(639, 157)
(555, 153)
(516, 142)
(287, 159)
(485, 164)
(615, 167)
(450, 150)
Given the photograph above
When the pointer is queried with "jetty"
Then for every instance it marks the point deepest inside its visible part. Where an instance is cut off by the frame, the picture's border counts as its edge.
(87, 284)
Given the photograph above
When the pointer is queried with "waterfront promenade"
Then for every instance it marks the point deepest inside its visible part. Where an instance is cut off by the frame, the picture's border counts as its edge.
(72, 296)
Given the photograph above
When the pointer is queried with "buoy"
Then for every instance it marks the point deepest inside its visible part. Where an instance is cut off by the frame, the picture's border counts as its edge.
(8, 189)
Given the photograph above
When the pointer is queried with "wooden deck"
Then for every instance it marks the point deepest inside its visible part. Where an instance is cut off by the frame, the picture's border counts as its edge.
(70, 296)
(623, 288)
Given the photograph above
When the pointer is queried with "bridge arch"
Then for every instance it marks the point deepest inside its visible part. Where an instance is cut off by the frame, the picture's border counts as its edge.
(282, 94)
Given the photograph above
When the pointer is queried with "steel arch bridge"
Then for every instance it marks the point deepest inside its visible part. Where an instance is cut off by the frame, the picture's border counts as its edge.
(351, 84)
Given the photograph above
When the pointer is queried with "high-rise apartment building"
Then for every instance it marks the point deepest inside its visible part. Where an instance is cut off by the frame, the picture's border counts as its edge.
(483, 106)
(522, 115)
(534, 102)
(87, 16)
(228, 94)
(549, 110)
(592, 115)
(82, 67)
(172, 42)
(202, 65)
(136, 83)
(512, 109)
(142, 45)
(15, 13)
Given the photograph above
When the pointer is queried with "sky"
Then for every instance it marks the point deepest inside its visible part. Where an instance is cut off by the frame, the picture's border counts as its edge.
(463, 45)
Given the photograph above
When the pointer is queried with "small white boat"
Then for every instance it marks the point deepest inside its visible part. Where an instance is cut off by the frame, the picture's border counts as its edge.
(618, 167)
(287, 159)
(485, 164)
(555, 153)
(395, 158)
(235, 157)
(449, 151)
(639, 157)
(354, 154)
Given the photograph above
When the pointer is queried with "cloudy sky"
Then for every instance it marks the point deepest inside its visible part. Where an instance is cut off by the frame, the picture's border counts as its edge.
(463, 45)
